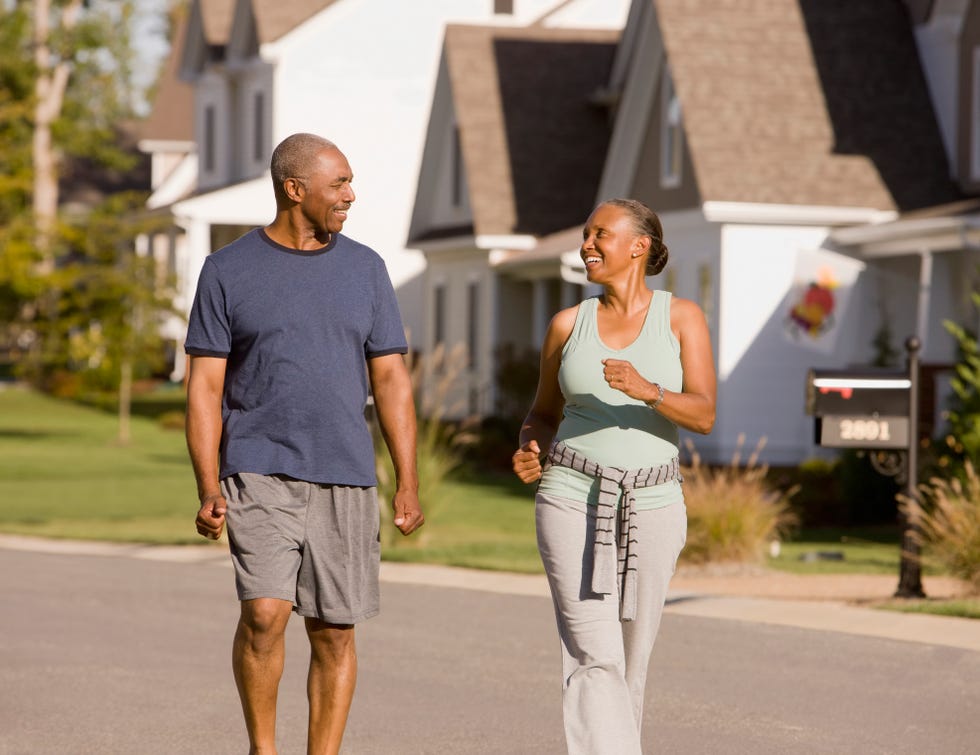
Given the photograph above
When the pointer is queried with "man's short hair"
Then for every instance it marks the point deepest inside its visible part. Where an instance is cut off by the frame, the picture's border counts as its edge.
(294, 155)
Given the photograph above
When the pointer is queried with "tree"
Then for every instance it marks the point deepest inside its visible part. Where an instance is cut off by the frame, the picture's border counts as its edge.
(65, 68)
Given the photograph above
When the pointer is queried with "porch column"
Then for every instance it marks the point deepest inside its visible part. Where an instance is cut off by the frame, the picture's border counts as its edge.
(924, 299)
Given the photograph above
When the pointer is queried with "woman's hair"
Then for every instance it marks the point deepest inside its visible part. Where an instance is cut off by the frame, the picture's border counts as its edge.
(645, 223)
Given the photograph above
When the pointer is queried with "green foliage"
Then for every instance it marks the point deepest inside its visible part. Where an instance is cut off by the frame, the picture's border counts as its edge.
(946, 514)
(34, 299)
(733, 513)
(109, 307)
(962, 441)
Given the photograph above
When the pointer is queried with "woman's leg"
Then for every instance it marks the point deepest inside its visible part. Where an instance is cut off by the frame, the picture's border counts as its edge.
(660, 537)
(596, 703)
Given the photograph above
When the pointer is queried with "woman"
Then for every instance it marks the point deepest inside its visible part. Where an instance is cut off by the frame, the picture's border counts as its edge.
(619, 373)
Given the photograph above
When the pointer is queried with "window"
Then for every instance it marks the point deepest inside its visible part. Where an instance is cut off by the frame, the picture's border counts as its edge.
(439, 314)
(672, 134)
(472, 324)
(209, 139)
(258, 130)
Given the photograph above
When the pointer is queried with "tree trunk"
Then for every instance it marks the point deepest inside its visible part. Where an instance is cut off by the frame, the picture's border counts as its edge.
(125, 400)
(52, 80)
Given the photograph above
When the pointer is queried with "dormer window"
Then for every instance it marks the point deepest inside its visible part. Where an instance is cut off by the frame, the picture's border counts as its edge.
(671, 133)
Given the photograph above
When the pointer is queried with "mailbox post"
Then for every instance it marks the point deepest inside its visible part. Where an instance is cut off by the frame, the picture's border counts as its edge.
(910, 569)
(879, 411)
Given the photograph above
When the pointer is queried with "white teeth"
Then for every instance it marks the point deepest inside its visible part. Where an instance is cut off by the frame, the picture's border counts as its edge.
(589, 260)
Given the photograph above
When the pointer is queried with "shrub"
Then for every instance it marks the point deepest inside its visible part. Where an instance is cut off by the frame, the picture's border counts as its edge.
(733, 514)
(946, 514)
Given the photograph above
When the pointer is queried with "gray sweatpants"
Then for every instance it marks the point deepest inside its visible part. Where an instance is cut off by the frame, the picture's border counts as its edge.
(604, 660)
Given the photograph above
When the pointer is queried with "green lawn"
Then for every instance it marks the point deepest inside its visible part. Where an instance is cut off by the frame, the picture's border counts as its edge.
(63, 475)
(868, 550)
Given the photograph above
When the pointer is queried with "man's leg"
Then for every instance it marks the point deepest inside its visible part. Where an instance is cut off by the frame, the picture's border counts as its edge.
(330, 685)
(258, 655)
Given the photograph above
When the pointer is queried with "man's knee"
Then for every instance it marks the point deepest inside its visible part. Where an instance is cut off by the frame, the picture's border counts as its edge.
(265, 617)
(331, 641)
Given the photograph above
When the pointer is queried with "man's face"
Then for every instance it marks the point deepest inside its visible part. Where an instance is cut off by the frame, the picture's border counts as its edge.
(328, 193)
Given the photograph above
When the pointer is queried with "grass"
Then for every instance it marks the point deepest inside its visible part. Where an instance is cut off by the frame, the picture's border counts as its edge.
(63, 475)
(869, 550)
(967, 608)
(485, 523)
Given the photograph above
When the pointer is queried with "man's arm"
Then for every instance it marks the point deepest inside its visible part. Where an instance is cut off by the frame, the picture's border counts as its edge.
(204, 389)
(391, 386)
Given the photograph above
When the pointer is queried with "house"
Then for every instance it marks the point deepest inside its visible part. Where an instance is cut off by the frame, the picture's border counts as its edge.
(359, 72)
(809, 160)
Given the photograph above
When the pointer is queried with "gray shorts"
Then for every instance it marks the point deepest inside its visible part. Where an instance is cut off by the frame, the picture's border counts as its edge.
(317, 546)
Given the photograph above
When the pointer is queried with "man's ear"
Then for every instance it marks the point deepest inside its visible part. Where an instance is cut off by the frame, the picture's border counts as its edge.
(293, 189)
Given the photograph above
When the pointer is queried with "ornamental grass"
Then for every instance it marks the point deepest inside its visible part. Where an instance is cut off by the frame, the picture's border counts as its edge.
(945, 514)
(440, 443)
(733, 514)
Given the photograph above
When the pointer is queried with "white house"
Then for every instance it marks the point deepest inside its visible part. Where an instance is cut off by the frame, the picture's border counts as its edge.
(359, 72)
(809, 160)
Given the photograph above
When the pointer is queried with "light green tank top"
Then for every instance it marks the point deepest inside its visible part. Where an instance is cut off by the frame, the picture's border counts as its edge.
(606, 425)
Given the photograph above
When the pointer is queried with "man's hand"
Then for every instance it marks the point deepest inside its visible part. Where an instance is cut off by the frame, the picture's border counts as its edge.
(211, 517)
(408, 511)
(527, 462)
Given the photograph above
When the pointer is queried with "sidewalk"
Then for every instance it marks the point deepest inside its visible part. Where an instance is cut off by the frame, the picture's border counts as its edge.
(836, 603)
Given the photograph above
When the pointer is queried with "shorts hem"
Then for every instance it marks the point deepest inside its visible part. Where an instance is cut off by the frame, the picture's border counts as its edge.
(259, 594)
(357, 618)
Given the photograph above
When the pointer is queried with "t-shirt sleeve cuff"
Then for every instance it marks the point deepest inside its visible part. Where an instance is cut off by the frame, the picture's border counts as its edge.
(195, 352)
(386, 352)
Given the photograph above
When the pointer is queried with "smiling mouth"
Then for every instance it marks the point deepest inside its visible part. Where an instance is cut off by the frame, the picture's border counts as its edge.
(591, 259)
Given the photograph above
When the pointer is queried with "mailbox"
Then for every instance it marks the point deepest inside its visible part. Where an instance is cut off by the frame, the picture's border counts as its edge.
(859, 409)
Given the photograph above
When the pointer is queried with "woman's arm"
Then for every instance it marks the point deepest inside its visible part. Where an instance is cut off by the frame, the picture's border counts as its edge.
(542, 420)
(693, 407)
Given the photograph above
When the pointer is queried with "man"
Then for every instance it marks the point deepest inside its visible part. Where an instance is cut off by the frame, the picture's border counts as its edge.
(289, 324)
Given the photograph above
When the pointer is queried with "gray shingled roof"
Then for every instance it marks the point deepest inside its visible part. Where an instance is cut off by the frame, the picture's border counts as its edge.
(815, 102)
(533, 145)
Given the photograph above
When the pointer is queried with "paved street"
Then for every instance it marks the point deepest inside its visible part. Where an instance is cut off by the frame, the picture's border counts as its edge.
(116, 654)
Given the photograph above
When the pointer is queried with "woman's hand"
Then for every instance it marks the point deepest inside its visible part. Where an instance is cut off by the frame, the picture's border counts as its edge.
(527, 462)
(622, 376)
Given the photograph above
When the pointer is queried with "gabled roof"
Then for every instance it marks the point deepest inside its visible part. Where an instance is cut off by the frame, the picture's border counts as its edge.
(172, 115)
(533, 144)
(216, 25)
(274, 18)
(808, 102)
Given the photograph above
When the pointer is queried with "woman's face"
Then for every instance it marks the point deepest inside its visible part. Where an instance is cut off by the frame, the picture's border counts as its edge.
(610, 246)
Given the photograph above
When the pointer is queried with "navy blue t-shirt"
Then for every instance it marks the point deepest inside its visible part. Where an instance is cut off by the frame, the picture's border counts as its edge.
(296, 328)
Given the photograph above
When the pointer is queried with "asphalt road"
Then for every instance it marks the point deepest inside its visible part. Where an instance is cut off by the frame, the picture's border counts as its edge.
(109, 654)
